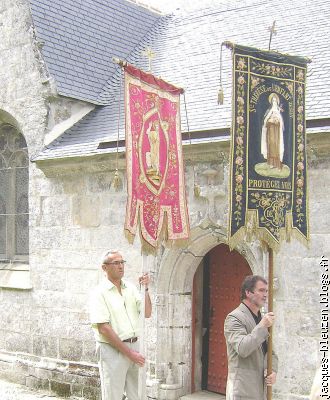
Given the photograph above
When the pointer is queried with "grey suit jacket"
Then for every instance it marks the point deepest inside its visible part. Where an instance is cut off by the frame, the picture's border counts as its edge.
(246, 361)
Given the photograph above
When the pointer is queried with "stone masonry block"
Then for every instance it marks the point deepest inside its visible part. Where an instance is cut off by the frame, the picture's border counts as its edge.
(89, 351)
(318, 208)
(46, 322)
(76, 390)
(17, 342)
(42, 373)
(181, 350)
(45, 346)
(111, 214)
(37, 383)
(12, 374)
(70, 349)
(15, 317)
(62, 389)
(54, 211)
(92, 393)
(78, 285)
(46, 237)
(100, 183)
(77, 329)
(64, 258)
(181, 310)
(75, 238)
(50, 279)
(85, 211)
(73, 186)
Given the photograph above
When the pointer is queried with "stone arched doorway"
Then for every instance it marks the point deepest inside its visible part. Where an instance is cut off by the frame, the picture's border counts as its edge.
(216, 291)
(172, 361)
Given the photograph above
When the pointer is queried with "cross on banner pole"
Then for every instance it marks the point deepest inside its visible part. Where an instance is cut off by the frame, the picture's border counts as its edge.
(272, 31)
(150, 55)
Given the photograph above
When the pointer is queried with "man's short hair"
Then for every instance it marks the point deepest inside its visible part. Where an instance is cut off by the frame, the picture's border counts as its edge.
(106, 255)
(249, 284)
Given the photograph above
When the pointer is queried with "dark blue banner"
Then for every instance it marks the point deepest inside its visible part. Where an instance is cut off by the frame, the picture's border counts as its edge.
(268, 196)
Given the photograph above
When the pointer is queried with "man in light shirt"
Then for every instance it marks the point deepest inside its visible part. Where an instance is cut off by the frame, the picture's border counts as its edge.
(114, 314)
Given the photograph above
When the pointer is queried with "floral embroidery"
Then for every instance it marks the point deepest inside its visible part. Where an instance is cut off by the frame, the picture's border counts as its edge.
(300, 75)
(241, 64)
(272, 69)
(300, 154)
(255, 82)
(274, 206)
(239, 144)
(289, 85)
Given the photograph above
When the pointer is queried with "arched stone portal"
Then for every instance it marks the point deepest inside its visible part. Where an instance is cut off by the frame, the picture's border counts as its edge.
(172, 369)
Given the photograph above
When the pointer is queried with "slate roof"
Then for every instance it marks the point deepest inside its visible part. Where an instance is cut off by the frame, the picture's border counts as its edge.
(80, 37)
(187, 48)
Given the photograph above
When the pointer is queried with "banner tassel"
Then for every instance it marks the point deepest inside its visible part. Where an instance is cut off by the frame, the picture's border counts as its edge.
(116, 182)
(220, 92)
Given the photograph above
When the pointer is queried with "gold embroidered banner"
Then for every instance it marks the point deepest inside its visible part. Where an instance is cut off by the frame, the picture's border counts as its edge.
(268, 196)
(155, 177)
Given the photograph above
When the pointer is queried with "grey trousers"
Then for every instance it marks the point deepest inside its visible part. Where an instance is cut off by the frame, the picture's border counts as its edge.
(118, 374)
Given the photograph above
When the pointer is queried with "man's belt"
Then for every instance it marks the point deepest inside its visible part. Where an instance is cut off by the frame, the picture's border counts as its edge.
(131, 340)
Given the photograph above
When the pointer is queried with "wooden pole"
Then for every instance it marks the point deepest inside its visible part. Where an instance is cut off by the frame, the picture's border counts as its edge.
(270, 309)
(142, 370)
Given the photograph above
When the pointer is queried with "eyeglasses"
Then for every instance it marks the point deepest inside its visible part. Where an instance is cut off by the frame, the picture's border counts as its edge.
(115, 262)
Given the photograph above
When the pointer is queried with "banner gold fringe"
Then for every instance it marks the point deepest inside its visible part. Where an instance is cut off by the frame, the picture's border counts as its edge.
(251, 231)
(147, 248)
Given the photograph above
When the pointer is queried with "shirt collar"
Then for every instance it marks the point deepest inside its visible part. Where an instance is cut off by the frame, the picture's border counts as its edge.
(253, 314)
(109, 285)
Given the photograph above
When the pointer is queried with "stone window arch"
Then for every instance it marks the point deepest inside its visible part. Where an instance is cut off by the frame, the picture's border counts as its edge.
(14, 205)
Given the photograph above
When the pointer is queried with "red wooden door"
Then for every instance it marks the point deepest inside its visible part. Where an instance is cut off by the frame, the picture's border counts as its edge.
(227, 271)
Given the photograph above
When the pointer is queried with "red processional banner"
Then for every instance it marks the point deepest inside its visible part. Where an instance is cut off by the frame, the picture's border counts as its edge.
(155, 176)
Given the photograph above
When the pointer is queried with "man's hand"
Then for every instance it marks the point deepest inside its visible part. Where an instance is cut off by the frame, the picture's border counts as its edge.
(267, 320)
(270, 379)
(137, 358)
(144, 280)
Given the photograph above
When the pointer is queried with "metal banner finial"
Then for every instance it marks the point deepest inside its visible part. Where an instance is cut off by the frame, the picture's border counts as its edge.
(272, 31)
(149, 54)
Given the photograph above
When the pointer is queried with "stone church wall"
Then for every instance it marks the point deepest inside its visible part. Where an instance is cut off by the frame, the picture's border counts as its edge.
(78, 218)
(35, 311)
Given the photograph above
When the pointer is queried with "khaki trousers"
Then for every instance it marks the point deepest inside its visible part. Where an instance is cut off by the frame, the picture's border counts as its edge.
(118, 374)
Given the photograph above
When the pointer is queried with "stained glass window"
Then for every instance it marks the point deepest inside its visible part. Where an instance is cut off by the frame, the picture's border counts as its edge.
(14, 207)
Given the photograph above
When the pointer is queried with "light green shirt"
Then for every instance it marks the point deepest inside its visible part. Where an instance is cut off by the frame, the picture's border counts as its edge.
(120, 311)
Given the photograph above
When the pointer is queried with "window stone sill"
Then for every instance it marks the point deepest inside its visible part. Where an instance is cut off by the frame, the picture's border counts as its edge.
(15, 276)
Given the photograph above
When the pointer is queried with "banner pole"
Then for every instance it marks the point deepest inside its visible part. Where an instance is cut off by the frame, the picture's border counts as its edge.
(142, 370)
(270, 309)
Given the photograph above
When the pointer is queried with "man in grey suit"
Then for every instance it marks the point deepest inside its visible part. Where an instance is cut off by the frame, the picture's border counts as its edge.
(246, 335)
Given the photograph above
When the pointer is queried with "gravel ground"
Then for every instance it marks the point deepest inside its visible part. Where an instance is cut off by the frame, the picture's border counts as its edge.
(12, 391)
